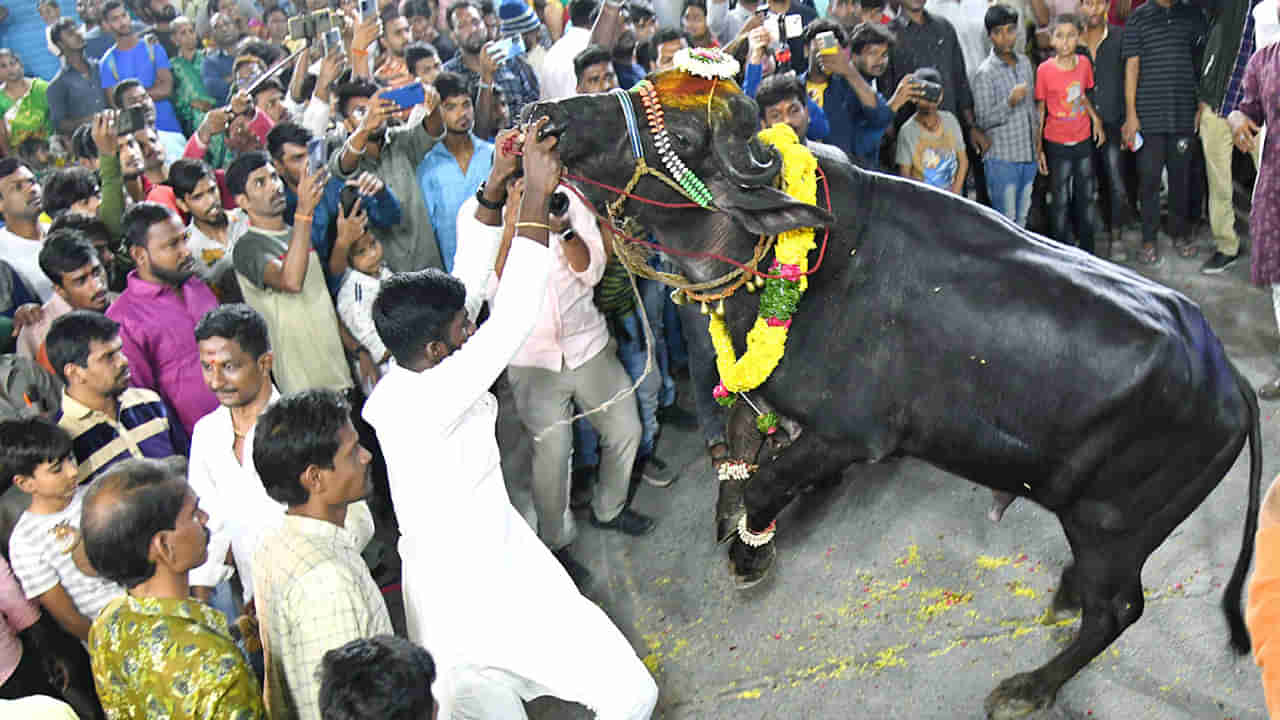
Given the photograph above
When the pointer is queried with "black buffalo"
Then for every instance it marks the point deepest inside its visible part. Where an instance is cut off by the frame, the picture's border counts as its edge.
(937, 329)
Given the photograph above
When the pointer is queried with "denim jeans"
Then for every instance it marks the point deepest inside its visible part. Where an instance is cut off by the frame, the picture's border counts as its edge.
(1009, 184)
(1072, 182)
(632, 355)
(656, 297)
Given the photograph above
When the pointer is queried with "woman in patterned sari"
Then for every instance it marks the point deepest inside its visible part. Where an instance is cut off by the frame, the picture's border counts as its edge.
(24, 107)
(190, 98)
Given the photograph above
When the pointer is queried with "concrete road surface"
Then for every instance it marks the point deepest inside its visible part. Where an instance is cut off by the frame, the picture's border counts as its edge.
(895, 597)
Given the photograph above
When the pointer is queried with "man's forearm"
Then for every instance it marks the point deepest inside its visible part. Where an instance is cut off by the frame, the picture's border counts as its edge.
(866, 95)
(486, 112)
(1132, 67)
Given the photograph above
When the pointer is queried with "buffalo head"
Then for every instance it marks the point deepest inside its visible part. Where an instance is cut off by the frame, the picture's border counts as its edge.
(716, 140)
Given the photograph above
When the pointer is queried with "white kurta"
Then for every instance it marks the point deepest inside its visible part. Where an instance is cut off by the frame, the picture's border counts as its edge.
(480, 588)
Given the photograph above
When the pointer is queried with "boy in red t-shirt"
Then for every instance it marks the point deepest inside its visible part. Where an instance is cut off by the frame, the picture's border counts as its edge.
(1065, 153)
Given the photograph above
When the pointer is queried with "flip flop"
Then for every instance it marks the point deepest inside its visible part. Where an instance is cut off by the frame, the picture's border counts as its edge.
(1149, 255)
(1186, 248)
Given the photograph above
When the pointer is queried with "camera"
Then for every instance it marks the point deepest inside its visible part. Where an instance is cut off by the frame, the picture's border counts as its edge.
(930, 91)
(347, 198)
(311, 26)
(131, 120)
(559, 204)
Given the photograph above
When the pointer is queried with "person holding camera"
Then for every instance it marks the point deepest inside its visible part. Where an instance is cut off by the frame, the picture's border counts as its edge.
(857, 114)
(930, 144)
(453, 170)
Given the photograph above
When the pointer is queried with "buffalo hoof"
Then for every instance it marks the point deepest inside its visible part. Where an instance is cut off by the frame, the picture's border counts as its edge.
(750, 566)
(1018, 697)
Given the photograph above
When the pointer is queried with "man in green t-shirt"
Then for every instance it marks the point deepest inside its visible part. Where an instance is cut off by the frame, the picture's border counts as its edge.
(281, 277)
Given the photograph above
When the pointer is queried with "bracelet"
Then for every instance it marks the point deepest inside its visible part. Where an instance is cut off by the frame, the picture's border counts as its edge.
(359, 53)
(484, 86)
(349, 147)
(297, 216)
(484, 202)
(541, 226)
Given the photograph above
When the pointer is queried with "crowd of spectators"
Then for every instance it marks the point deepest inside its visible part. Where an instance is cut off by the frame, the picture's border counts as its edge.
(245, 241)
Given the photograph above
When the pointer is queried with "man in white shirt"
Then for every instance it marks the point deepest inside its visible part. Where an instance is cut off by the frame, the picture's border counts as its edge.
(22, 236)
(557, 67)
(236, 359)
(435, 405)
(571, 358)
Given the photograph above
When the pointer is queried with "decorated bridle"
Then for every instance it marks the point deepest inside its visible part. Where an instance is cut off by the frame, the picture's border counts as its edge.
(707, 63)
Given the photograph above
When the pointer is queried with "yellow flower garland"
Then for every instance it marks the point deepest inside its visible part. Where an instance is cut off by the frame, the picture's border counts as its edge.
(766, 343)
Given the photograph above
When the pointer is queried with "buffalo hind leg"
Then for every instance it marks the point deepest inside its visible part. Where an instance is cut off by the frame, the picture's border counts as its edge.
(771, 489)
(1109, 589)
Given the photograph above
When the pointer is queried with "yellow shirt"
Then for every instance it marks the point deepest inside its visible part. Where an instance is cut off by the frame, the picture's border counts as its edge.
(816, 90)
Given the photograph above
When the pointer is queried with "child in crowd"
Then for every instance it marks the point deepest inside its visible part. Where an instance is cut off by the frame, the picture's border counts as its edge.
(365, 274)
(45, 549)
(1005, 110)
(1065, 153)
(930, 143)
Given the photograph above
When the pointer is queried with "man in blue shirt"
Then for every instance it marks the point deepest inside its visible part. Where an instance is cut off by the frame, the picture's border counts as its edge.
(219, 62)
(454, 169)
(131, 58)
(75, 94)
(857, 114)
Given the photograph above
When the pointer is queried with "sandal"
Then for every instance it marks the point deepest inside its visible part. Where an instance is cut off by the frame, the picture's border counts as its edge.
(1149, 255)
(1186, 247)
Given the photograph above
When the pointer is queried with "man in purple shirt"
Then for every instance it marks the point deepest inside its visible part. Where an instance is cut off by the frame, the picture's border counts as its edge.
(159, 309)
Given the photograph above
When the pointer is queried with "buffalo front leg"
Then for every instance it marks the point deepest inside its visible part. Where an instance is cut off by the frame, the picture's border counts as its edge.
(771, 489)
(744, 441)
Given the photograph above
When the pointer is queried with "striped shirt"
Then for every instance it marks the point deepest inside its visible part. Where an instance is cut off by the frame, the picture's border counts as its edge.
(40, 553)
(1164, 40)
(1235, 84)
(140, 430)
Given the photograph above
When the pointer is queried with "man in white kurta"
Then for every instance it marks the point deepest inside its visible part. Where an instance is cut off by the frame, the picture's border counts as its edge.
(468, 557)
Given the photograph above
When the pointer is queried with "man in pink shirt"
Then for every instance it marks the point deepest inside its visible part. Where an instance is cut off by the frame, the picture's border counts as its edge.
(570, 358)
(159, 309)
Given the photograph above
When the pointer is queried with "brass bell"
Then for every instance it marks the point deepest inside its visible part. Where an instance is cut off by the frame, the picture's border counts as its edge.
(720, 308)
(706, 309)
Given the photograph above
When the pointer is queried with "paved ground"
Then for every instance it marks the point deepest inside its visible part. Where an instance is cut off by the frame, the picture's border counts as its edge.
(894, 596)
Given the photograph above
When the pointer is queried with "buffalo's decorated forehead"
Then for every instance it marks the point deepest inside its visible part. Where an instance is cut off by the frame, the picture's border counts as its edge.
(678, 90)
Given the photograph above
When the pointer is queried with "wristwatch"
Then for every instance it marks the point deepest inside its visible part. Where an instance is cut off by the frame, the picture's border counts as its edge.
(484, 202)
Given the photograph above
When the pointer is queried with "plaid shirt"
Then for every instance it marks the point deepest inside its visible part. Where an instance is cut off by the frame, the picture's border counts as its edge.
(314, 593)
(1235, 85)
(514, 78)
(1012, 130)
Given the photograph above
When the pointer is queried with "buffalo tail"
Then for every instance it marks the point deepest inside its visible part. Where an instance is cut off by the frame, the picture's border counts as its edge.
(1231, 599)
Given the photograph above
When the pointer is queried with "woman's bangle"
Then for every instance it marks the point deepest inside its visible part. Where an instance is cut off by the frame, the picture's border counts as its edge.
(359, 53)
(540, 226)
(297, 216)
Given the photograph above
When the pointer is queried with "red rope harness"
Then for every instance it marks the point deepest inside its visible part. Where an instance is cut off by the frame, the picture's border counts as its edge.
(822, 253)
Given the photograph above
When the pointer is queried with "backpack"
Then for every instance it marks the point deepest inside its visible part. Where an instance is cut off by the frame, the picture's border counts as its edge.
(109, 57)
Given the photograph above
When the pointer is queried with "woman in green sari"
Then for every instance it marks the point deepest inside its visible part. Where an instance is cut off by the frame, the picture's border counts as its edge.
(190, 98)
(24, 106)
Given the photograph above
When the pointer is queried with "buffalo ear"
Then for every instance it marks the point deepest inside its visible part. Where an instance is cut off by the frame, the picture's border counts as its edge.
(766, 211)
